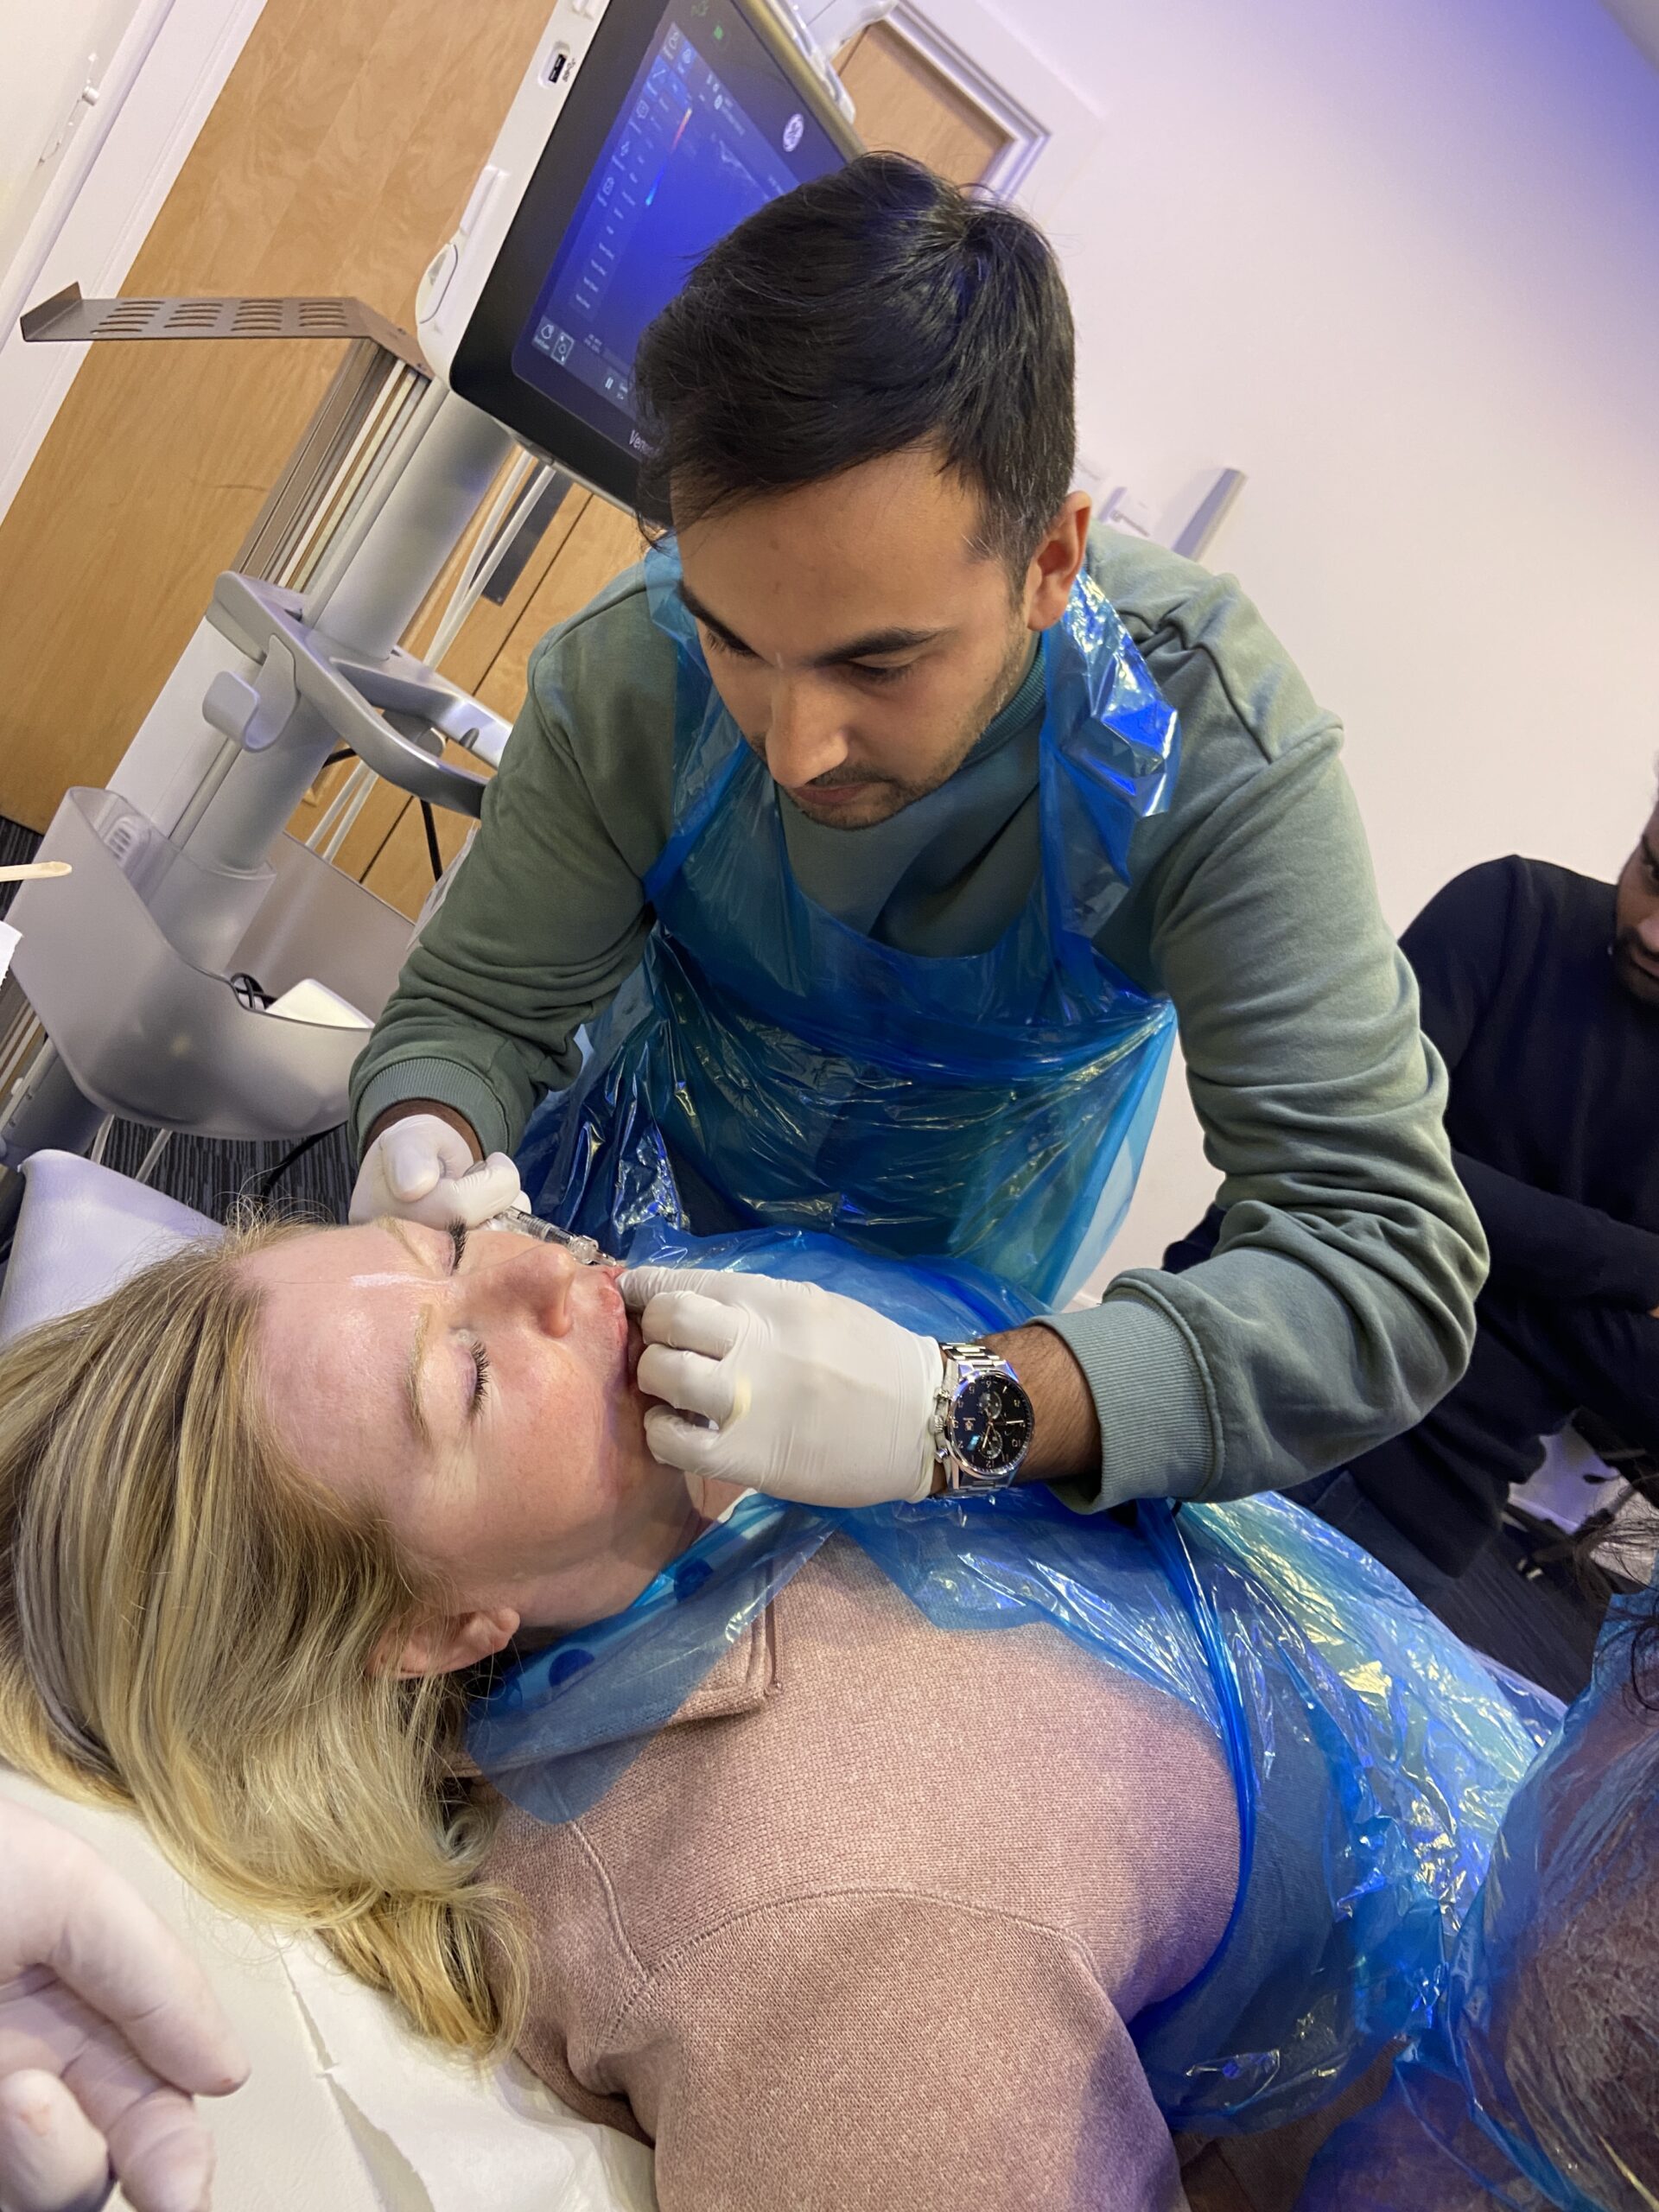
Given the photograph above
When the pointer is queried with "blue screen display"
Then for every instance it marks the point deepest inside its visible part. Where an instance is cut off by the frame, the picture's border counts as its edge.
(712, 128)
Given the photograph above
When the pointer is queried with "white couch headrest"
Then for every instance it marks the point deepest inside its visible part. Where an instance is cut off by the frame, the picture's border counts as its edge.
(81, 1231)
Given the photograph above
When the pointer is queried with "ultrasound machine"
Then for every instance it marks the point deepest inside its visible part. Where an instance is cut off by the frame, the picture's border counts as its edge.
(202, 970)
(641, 133)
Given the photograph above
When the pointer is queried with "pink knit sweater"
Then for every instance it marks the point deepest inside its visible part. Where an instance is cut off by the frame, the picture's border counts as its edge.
(860, 1930)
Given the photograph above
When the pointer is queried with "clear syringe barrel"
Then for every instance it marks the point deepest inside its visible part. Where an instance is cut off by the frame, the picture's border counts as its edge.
(583, 1249)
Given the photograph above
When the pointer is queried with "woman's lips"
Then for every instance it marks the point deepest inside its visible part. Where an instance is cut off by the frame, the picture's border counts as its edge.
(626, 1334)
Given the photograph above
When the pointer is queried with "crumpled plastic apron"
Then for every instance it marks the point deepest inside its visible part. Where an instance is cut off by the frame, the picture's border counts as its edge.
(1537, 2084)
(992, 1108)
(1372, 1755)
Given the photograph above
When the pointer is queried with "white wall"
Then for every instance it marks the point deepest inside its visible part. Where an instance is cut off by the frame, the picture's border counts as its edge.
(159, 86)
(1400, 264)
(51, 52)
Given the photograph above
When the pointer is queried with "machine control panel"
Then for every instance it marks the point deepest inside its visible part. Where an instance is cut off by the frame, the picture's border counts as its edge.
(643, 132)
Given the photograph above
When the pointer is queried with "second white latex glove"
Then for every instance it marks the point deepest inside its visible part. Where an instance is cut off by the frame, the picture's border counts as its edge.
(420, 1169)
(812, 1396)
(107, 2030)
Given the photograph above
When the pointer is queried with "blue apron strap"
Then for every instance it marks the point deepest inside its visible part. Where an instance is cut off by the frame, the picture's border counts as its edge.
(1159, 1522)
(698, 711)
(686, 830)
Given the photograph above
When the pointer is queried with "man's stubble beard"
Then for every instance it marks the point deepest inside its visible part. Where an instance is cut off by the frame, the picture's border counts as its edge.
(998, 695)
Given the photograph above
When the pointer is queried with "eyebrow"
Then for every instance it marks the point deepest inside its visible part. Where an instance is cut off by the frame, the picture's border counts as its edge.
(418, 1420)
(412, 1378)
(396, 1228)
(870, 647)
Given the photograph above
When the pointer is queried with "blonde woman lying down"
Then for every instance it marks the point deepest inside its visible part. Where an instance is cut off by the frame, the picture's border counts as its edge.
(865, 1924)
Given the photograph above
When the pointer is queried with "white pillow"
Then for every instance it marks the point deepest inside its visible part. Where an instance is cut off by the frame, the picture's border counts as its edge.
(81, 1231)
(346, 2109)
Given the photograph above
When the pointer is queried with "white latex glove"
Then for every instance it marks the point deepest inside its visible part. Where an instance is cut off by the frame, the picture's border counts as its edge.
(107, 2029)
(812, 1395)
(422, 1169)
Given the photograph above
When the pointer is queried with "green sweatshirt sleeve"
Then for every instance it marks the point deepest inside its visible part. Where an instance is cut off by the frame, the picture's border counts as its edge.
(1338, 1306)
(546, 916)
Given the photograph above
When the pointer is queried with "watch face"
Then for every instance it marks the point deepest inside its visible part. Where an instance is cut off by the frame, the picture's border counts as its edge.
(991, 1423)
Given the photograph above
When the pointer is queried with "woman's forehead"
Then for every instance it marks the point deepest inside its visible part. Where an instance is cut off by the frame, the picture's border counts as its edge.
(361, 1257)
(340, 1312)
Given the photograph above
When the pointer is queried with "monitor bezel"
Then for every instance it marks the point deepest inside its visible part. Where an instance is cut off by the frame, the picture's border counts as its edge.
(481, 371)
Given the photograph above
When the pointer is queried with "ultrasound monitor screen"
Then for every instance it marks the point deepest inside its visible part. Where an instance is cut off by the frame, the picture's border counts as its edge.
(711, 129)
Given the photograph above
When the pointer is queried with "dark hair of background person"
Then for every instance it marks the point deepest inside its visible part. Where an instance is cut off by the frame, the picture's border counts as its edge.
(873, 310)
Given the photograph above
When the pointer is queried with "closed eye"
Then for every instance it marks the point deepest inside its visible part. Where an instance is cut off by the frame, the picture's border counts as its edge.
(723, 644)
(480, 1358)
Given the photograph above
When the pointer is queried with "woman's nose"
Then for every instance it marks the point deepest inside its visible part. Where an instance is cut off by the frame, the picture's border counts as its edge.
(533, 1280)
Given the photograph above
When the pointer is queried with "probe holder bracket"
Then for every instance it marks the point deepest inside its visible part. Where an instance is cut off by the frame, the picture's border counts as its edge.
(396, 714)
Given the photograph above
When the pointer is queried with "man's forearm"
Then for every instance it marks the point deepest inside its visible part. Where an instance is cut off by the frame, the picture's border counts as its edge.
(1066, 1433)
(1560, 1248)
(1603, 1357)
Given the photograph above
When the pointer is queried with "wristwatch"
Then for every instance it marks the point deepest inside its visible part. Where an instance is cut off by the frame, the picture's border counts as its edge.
(982, 1420)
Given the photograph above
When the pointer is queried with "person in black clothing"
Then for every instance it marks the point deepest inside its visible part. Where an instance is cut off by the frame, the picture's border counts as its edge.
(1541, 990)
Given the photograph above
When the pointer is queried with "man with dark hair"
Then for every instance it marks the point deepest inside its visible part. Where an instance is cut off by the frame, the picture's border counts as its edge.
(1541, 990)
(905, 806)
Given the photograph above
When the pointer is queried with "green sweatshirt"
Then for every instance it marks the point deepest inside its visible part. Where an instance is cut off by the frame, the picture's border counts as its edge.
(1338, 1306)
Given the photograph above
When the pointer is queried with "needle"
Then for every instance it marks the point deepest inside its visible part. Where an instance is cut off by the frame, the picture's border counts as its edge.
(35, 871)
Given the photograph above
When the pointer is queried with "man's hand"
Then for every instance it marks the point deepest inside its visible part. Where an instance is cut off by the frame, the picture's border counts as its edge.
(422, 1167)
(107, 2030)
(811, 1395)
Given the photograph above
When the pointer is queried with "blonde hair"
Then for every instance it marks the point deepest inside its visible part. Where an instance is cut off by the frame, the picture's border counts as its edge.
(191, 1627)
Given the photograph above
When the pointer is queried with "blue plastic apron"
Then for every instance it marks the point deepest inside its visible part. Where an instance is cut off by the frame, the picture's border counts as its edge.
(991, 1109)
(1535, 2084)
(1371, 1754)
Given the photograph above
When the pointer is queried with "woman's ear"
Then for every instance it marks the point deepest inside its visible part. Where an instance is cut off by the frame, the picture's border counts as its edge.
(447, 1641)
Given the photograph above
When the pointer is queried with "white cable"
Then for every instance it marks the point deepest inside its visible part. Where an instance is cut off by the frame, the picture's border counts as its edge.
(455, 617)
(330, 830)
(100, 1142)
(24, 1039)
(506, 493)
(151, 1160)
(348, 820)
(473, 574)
(484, 536)
(349, 784)
(487, 554)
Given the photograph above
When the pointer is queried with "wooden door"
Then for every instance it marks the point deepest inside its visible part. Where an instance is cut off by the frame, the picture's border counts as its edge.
(906, 105)
(339, 153)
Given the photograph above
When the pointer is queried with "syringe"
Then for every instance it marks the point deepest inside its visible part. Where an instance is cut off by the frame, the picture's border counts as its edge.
(583, 1249)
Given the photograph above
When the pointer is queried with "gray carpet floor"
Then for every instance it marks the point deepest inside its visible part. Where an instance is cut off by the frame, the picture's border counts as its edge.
(1544, 1627)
